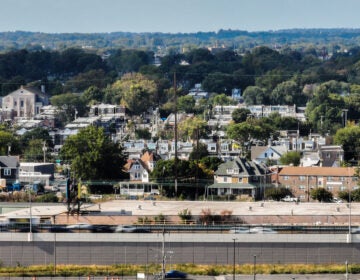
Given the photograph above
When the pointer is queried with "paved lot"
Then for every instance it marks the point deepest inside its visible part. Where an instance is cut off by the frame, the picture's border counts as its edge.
(336, 213)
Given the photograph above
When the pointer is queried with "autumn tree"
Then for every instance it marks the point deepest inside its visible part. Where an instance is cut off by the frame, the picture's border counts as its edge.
(136, 92)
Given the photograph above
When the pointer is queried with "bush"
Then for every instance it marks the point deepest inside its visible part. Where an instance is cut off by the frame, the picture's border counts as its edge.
(48, 197)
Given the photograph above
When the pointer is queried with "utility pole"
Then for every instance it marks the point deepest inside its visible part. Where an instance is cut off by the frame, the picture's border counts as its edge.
(234, 239)
(175, 136)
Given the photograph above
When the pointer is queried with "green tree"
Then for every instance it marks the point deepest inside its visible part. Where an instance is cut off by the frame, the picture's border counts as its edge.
(349, 138)
(186, 104)
(69, 106)
(36, 133)
(192, 128)
(321, 194)
(255, 96)
(277, 193)
(290, 158)
(93, 155)
(240, 115)
(9, 143)
(91, 94)
(199, 151)
(34, 151)
(222, 99)
(136, 91)
(287, 93)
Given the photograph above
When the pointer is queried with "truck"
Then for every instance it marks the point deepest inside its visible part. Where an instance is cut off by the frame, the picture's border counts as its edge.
(289, 198)
(14, 187)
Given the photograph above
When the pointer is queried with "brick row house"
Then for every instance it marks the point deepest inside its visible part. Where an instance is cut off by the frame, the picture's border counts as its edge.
(301, 180)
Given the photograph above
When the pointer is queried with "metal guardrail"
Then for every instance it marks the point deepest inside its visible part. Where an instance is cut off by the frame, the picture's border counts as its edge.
(177, 228)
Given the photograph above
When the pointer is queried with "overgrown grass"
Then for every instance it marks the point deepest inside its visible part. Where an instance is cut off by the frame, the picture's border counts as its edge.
(209, 270)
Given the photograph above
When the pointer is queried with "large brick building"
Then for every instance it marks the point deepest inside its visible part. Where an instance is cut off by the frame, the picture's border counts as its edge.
(301, 180)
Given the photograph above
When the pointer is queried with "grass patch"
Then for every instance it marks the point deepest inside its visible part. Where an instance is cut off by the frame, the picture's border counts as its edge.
(206, 270)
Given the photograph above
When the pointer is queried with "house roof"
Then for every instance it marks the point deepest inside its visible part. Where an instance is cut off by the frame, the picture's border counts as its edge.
(245, 167)
(9, 161)
(130, 163)
(27, 90)
(317, 171)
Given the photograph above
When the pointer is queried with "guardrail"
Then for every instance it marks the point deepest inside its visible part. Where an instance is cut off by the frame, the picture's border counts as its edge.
(176, 228)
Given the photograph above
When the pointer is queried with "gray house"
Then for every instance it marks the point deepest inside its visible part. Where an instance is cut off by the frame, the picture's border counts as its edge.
(9, 169)
(239, 177)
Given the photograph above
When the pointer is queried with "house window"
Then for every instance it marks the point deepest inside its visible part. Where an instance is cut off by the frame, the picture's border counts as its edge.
(301, 187)
(7, 171)
(302, 178)
(329, 178)
(21, 103)
(286, 178)
(137, 175)
(265, 154)
(225, 179)
(342, 179)
(329, 188)
(343, 188)
(137, 166)
(213, 149)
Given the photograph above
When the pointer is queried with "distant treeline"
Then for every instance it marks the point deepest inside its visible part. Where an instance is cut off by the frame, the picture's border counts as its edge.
(237, 39)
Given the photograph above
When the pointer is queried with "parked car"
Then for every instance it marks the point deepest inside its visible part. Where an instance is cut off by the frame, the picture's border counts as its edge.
(251, 230)
(130, 229)
(103, 228)
(80, 226)
(262, 230)
(58, 228)
(240, 230)
(125, 228)
(175, 274)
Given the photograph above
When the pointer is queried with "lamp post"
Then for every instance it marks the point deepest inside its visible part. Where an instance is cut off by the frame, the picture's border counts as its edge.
(347, 270)
(254, 267)
(54, 249)
(30, 218)
(234, 239)
(44, 149)
(349, 188)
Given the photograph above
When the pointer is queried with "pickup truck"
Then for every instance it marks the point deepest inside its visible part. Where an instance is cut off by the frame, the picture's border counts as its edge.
(289, 198)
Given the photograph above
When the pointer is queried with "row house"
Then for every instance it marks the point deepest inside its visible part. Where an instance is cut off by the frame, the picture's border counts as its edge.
(301, 180)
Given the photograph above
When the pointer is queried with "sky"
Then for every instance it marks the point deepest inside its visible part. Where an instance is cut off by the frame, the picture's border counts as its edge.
(175, 16)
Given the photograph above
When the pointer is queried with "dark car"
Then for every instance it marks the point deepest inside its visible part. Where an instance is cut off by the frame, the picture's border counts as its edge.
(58, 228)
(103, 228)
(175, 274)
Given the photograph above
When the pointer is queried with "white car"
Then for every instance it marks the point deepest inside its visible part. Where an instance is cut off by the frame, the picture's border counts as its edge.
(125, 228)
(80, 226)
(262, 230)
(239, 230)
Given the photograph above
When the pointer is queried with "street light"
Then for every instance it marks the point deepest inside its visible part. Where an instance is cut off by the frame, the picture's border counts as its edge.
(44, 149)
(349, 188)
(234, 239)
(254, 267)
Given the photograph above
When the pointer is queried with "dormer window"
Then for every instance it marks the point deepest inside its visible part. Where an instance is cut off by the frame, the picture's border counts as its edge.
(232, 171)
(137, 166)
